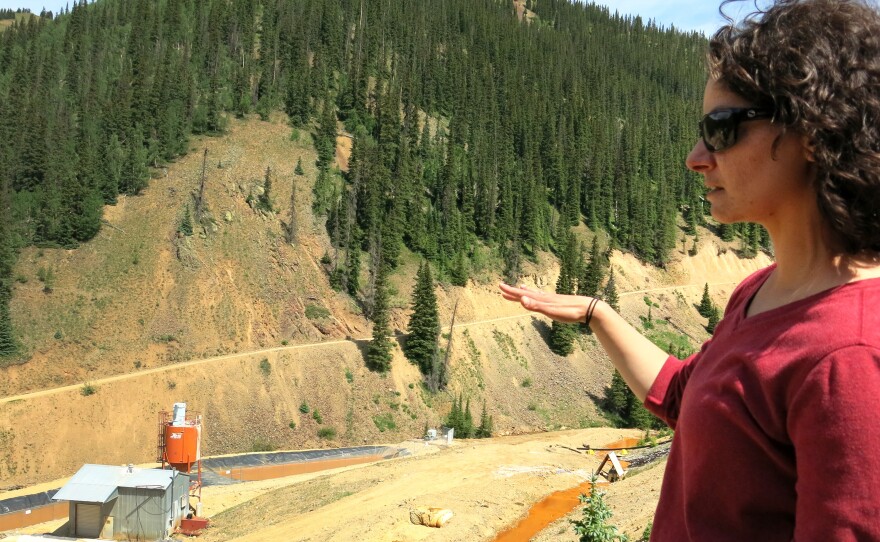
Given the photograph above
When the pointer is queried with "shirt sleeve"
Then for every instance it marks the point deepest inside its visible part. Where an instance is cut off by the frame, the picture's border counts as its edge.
(834, 426)
(664, 397)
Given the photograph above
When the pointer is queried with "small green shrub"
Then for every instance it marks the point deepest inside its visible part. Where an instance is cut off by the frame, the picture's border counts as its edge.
(527, 382)
(172, 384)
(304, 408)
(327, 432)
(262, 445)
(284, 342)
(533, 407)
(292, 425)
(58, 335)
(317, 416)
(88, 389)
(265, 366)
(316, 312)
(593, 525)
(349, 376)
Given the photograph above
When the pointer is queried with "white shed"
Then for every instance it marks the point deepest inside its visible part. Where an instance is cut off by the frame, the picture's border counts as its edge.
(130, 502)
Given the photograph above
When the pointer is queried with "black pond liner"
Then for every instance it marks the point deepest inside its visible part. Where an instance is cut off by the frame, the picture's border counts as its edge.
(27, 502)
(211, 466)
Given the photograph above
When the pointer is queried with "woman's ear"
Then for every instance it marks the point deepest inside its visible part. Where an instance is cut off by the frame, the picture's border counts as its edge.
(809, 149)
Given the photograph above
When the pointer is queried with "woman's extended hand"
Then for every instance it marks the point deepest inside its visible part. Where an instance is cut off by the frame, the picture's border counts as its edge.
(560, 307)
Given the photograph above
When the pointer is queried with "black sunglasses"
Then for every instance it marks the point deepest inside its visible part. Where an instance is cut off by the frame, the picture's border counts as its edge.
(719, 128)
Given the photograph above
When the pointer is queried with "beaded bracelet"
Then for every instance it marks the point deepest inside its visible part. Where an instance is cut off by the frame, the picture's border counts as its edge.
(590, 309)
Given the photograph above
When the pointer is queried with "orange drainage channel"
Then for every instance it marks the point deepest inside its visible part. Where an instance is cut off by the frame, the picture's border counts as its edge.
(267, 472)
(553, 507)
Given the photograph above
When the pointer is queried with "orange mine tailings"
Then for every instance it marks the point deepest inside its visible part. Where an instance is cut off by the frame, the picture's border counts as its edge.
(553, 507)
(544, 513)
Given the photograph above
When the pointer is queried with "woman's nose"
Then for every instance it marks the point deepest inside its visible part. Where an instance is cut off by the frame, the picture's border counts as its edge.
(700, 159)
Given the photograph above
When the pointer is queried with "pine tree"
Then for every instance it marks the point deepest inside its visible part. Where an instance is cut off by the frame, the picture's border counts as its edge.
(424, 325)
(8, 346)
(325, 140)
(610, 293)
(714, 318)
(513, 262)
(378, 356)
(592, 275)
(467, 424)
(456, 416)
(617, 396)
(706, 305)
(458, 274)
(264, 200)
(186, 226)
(562, 335)
(485, 429)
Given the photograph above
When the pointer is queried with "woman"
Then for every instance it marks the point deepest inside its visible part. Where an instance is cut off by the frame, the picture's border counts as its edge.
(777, 418)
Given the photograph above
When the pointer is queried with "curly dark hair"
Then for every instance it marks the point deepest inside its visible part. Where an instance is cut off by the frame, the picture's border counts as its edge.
(816, 64)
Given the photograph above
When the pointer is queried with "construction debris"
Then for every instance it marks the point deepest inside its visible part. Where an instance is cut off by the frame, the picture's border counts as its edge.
(614, 470)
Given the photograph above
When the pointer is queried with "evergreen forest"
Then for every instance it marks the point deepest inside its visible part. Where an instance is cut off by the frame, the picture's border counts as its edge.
(471, 127)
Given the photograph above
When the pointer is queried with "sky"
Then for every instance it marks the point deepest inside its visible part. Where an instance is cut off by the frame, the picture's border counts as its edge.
(698, 15)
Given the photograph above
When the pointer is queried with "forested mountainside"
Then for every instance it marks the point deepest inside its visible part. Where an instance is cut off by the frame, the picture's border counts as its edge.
(469, 124)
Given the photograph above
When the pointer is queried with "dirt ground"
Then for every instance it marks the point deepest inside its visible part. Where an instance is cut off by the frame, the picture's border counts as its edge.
(489, 485)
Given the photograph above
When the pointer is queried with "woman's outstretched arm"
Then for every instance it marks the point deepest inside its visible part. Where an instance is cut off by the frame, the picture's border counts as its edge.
(637, 359)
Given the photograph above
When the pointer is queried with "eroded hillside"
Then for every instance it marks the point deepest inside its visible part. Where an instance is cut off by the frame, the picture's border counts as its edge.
(140, 302)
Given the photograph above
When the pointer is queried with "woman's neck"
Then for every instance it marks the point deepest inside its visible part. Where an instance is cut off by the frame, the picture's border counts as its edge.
(809, 260)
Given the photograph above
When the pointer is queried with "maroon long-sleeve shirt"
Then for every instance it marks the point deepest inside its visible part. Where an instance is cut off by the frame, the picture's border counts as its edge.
(777, 423)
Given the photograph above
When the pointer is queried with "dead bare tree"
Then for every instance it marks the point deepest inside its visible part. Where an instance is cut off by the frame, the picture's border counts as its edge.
(439, 376)
(290, 232)
(200, 198)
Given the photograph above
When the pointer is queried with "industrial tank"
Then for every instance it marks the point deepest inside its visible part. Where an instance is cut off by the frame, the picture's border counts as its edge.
(181, 439)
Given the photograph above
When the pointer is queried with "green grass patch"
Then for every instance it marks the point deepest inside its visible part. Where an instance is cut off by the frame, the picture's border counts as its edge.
(385, 422)
(671, 341)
